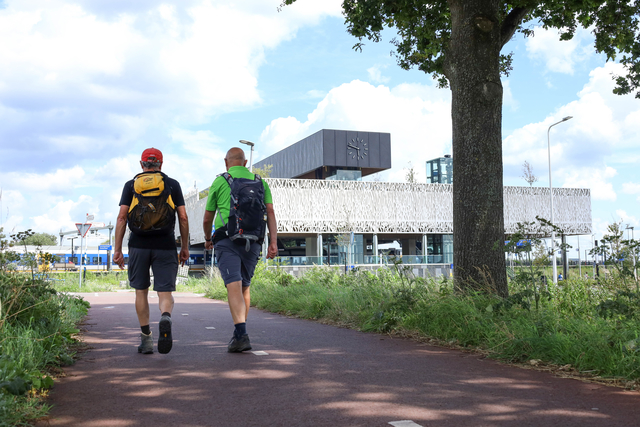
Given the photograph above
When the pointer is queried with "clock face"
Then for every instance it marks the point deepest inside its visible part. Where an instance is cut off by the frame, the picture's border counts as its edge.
(357, 148)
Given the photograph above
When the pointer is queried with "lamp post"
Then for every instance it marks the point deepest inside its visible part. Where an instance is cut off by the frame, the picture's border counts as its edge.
(553, 232)
(594, 259)
(250, 144)
(635, 274)
(65, 263)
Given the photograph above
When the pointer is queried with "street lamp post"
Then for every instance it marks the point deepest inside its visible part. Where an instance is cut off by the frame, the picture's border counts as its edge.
(72, 254)
(635, 274)
(250, 144)
(594, 259)
(553, 232)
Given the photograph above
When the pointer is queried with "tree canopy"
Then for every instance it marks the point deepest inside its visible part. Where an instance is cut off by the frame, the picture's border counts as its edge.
(41, 239)
(424, 29)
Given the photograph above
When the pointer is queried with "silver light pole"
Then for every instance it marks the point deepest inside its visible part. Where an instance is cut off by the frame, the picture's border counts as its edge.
(635, 274)
(250, 144)
(553, 233)
(594, 258)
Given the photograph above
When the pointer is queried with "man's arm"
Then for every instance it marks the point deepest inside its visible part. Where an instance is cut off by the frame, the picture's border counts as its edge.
(184, 233)
(206, 227)
(121, 225)
(272, 252)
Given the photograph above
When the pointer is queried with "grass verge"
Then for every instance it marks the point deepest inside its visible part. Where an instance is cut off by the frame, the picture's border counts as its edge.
(37, 335)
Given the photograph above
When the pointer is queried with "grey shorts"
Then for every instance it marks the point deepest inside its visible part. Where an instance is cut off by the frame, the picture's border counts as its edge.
(235, 263)
(164, 263)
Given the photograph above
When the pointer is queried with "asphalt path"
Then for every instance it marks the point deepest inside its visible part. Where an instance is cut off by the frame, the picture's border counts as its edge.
(302, 373)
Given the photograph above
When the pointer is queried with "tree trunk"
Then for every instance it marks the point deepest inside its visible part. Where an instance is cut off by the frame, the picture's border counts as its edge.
(472, 68)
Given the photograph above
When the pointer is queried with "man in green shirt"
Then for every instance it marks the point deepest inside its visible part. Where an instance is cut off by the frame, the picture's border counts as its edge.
(235, 262)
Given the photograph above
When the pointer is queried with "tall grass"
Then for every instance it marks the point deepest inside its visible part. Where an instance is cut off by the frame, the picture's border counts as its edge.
(37, 328)
(589, 325)
(110, 282)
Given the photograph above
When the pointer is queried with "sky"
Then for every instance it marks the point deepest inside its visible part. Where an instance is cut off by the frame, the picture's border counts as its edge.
(87, 85)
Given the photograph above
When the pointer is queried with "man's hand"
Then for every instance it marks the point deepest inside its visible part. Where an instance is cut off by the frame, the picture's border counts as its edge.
(118, 258)
(208, 245)
(272, 252)
(184, 255)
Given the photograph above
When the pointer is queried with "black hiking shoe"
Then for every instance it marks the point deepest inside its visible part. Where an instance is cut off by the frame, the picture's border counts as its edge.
(165, 342)
(238, 345)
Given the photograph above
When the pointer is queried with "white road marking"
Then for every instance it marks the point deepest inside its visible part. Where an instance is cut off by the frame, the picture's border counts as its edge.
(404, 423)
(110, 306)
(260, 353)
(209, 327)
(96, 295)
(185, 314)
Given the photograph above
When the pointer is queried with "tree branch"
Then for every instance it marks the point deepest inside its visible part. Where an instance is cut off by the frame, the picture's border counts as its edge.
(511, 23)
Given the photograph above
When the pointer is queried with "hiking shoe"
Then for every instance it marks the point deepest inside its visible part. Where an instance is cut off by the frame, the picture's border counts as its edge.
(165, 341)
(146, 344)
(237, 345)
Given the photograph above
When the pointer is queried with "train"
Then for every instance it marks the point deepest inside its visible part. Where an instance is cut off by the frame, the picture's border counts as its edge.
(67, 259)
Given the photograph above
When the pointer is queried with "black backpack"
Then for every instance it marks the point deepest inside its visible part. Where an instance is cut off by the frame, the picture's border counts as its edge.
(247, 213)
(152, 211)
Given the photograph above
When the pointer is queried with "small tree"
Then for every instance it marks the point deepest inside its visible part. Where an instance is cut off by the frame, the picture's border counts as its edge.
(525, 243)
(264, 172)
(410, 175)
(527, 173)
(41, 239)
(7, 256)
(28, 259)
(618, 253)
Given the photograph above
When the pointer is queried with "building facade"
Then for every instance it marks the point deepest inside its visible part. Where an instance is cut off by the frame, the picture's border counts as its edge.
(440, 170)
(328, 215)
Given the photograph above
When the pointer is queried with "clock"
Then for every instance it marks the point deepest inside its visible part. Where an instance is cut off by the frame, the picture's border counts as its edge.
(357, 148)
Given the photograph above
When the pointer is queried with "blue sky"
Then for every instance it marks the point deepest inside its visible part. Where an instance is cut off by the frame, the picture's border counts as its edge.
(86, 85)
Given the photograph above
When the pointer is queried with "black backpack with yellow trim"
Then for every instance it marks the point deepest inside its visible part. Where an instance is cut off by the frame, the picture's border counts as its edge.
(152, 211)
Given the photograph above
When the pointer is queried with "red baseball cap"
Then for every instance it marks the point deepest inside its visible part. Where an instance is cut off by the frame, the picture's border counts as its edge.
(152, 155)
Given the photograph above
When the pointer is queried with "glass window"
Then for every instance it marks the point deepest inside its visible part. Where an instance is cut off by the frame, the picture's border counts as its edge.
(344, 175)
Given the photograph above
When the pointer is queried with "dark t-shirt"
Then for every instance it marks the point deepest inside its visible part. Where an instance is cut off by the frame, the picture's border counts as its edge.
(167, 241)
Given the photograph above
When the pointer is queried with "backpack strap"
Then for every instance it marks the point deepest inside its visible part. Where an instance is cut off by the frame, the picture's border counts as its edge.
(228, 177)
(229, 180)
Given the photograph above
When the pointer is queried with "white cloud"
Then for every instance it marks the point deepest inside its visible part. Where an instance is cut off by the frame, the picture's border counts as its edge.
(598, 180)
(507, 97)
(631, 188)
(627, 220)
(63, 215)
(417, 116)
(314, 93)
(558, 56)
(585, 150)
(84, 76)
(59, 182)
(375, 74)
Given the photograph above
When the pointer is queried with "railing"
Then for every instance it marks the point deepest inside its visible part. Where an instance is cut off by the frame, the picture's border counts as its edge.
(368, 260)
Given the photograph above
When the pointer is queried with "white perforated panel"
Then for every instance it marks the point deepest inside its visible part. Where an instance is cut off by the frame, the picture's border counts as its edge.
(317, 206)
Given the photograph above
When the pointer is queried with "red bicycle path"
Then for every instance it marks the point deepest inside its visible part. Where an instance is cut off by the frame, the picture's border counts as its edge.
(303, 373)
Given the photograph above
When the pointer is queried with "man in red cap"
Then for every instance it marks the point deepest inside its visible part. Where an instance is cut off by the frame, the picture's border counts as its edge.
(149, 205)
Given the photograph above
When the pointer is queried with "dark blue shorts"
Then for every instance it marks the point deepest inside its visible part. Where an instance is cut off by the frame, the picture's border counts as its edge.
(235, 263)
(164, 263)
